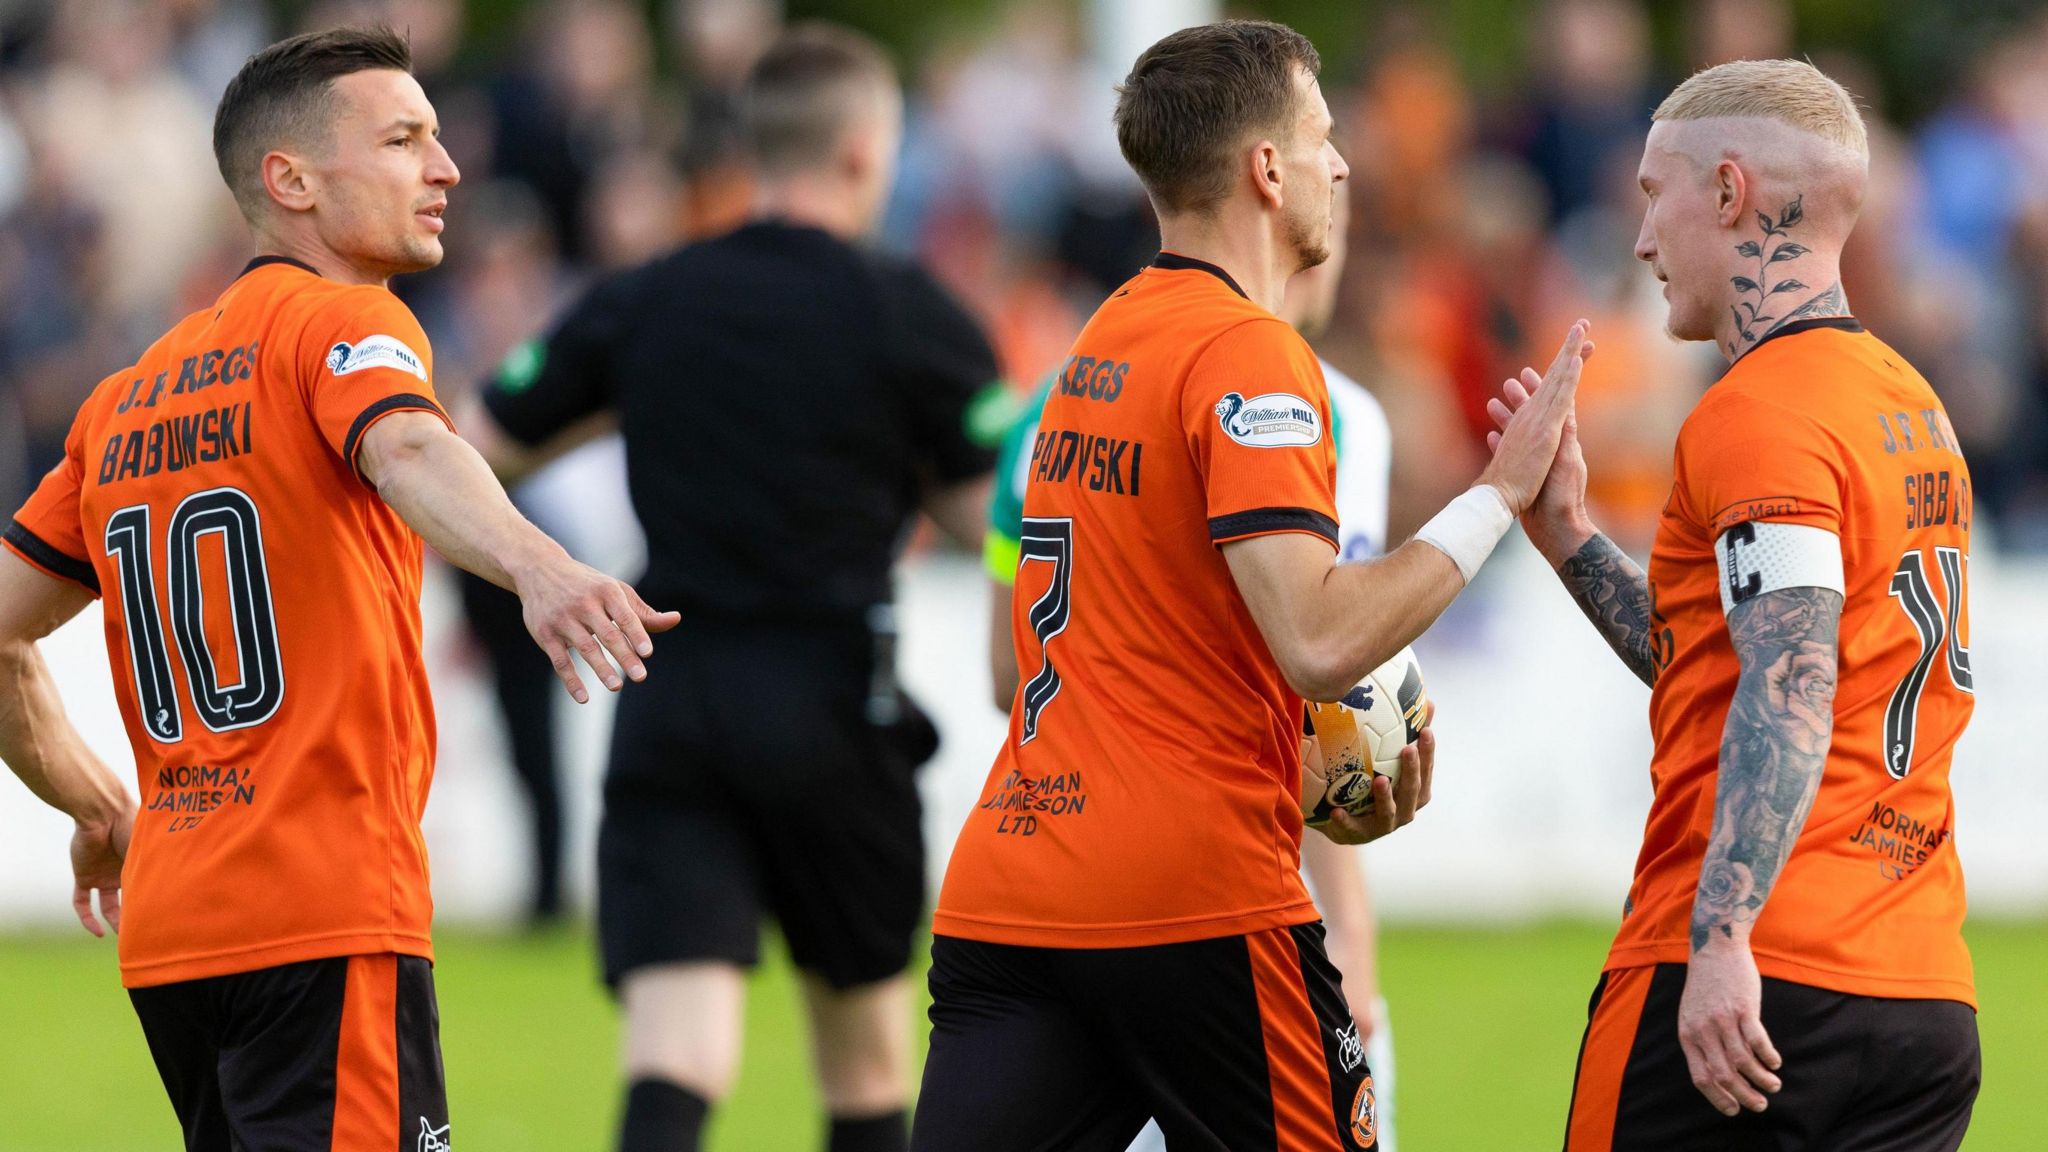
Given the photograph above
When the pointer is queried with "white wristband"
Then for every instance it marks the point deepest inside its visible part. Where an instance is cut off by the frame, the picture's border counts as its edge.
(1469, 527)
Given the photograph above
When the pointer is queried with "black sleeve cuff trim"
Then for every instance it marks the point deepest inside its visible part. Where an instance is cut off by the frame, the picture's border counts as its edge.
(38, 550)
(402, 402)
(1259, 521)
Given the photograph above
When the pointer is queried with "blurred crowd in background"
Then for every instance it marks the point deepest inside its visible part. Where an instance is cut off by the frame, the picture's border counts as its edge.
(1489, 210)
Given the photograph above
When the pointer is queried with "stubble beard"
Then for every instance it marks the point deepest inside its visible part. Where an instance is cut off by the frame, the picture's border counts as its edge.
(400, 252)
(415, 253)
(1310, 243)
(423, 254)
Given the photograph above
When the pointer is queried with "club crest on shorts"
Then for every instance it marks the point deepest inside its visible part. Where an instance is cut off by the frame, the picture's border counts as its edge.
(1274, 420)
(432, 1139)
(1364, 1124)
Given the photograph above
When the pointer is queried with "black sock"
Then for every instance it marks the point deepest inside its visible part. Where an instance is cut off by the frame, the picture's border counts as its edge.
(889, 1132)
(662, 1116)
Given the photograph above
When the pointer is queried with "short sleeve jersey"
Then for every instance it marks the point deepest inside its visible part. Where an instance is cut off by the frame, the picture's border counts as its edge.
(261, 606)
(1821, 425)
(1146, 792)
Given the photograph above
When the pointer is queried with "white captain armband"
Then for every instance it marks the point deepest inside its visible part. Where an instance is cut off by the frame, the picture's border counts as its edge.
(1756, 557)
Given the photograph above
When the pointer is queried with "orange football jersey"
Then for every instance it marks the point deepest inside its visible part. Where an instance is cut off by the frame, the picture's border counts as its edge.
(1822, 425)
(262, 617)
(1148, 789)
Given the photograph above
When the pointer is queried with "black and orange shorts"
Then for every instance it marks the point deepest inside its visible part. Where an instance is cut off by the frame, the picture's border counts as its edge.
(1235, 1044)
(335, 1055)
(1861, 1072)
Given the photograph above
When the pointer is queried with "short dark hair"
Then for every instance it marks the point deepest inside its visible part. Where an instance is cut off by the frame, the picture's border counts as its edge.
(283, 95)
(799, 96)
(1196, 96)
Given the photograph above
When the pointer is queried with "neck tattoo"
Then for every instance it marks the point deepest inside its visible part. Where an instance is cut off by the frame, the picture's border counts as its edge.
(1752, 321)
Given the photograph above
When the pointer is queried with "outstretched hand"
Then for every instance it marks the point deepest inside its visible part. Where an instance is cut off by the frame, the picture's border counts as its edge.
(1560, 504)
(1531, 430)
(572, 607)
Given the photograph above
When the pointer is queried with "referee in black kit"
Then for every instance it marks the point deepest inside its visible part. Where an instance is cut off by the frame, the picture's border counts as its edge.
(789, 403)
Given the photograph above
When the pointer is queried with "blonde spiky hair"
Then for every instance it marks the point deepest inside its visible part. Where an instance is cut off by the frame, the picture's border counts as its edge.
(1789, 91)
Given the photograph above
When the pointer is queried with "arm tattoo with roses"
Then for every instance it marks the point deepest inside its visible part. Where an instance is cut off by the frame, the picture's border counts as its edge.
(1772, 751)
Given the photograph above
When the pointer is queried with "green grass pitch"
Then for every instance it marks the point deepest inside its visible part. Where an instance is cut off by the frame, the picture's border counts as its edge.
(1487, 1021)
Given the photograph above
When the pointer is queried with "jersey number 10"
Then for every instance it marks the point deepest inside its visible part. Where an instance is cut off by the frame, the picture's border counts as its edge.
(259, 689)
(1940, 633)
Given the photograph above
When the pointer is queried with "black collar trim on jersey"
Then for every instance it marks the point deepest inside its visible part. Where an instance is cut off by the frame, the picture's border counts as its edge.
(1843, 323)
(1177, 262)
(260, 261)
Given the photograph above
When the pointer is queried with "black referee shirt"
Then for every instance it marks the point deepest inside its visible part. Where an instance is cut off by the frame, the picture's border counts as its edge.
(786, 402)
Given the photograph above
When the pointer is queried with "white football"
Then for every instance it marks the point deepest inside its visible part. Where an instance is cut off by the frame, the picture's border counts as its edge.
(1351, 741)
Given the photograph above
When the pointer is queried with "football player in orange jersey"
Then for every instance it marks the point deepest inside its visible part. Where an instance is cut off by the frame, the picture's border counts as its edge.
(1790, 971)
(251, 496)
(1335, 873)
(1123, 931)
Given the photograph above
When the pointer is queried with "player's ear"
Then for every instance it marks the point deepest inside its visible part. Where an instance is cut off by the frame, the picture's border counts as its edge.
(287, 180)
(1265, 165)
(1731, 190)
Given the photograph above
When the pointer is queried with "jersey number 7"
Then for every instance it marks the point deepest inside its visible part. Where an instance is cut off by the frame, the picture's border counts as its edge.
(259, 688)
(1051, 541)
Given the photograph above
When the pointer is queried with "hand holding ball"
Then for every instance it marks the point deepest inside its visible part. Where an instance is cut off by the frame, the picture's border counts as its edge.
(1349, 742)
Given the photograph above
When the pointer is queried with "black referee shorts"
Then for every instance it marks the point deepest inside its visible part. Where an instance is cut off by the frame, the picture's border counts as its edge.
(1860, 1073)
(747, 780)
(1236, 1044)
(334, 1055)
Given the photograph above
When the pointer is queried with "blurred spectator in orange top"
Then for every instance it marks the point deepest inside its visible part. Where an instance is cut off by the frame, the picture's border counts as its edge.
(1410, 124)
(1463, 293)
(1408, 129)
